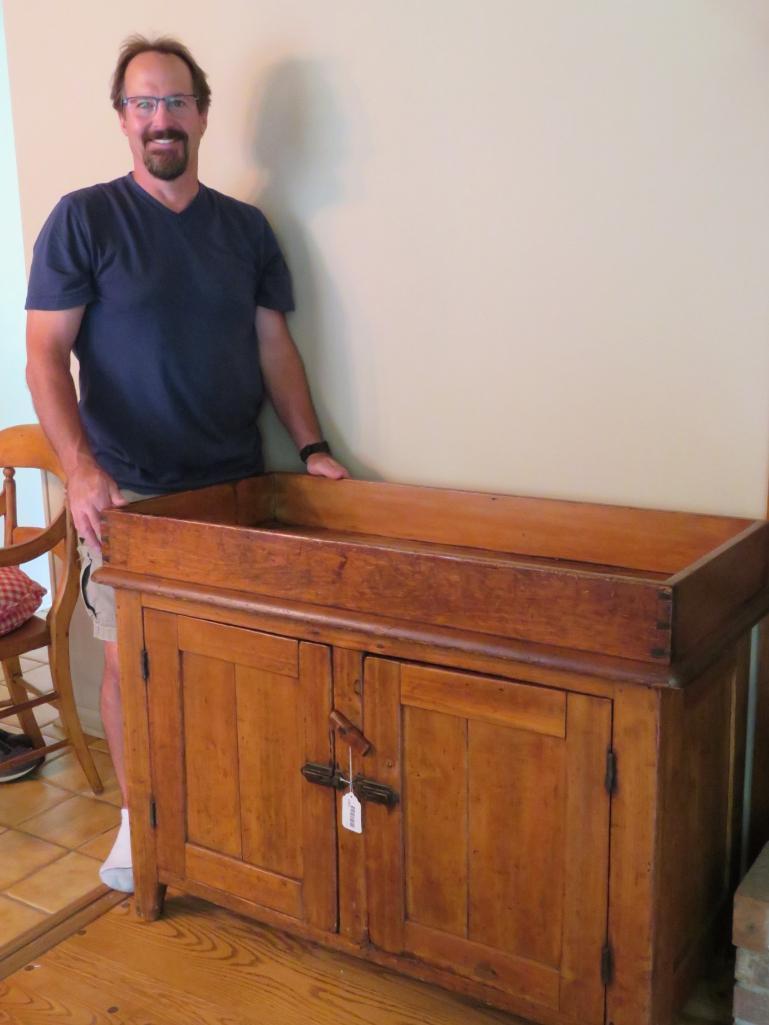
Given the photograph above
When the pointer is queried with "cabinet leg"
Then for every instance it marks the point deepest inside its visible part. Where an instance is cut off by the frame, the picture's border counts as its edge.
(149, 901)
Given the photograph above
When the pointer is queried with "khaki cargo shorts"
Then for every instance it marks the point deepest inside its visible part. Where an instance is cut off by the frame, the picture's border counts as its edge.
(99, 599)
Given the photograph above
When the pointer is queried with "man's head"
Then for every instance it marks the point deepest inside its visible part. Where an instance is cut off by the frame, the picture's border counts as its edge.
(162, 98)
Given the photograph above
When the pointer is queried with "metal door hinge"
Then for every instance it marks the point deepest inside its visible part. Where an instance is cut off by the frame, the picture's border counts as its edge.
(153, 813)
(607, 964)
(145, 663)
(610, 780)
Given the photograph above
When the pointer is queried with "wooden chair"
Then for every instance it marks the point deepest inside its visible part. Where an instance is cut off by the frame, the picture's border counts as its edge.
(26, 446)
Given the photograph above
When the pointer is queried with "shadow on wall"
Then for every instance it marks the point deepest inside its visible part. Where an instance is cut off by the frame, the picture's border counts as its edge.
(300, 145)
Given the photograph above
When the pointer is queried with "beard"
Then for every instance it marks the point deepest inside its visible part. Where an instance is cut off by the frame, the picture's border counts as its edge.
(166, 165)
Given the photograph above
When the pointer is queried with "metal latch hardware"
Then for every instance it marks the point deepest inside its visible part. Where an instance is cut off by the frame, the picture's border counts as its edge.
(377, 793)
(323, 775)
(364, 789)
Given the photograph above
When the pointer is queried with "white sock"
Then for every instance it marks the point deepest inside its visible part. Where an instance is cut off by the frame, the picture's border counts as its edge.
(117, 870)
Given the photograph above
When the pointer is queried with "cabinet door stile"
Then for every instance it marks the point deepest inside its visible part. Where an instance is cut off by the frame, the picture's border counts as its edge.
(586, 863)
(166, 725)
(384, 826)
(131, 643)
(351, 847)
(319, 887)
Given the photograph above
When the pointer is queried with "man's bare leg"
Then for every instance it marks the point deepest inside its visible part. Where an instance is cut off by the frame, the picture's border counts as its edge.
(112, 713)
(116, 870)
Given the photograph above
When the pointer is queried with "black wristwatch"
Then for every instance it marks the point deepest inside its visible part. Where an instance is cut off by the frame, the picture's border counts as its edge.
(316, 446)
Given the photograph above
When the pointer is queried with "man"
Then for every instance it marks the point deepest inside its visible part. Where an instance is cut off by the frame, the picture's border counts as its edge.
(173, 298)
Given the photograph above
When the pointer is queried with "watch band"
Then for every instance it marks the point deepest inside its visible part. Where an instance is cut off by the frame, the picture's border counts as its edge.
(316, 446)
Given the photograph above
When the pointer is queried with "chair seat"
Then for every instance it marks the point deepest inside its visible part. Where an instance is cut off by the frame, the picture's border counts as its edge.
(27, 637)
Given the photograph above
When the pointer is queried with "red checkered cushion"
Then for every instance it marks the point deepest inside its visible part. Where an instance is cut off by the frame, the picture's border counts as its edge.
(20, 598)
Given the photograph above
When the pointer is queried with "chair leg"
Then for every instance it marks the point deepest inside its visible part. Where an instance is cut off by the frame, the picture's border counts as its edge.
(18, 694)
(62, 682)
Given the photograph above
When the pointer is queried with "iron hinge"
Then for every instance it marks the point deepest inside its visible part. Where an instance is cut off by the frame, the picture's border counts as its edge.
(610, 781)
(145, 660)
(607, 964)
(153, 813)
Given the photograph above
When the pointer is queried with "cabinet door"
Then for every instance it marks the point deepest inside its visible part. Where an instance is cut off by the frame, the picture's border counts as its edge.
(494, 862)
(234, 715)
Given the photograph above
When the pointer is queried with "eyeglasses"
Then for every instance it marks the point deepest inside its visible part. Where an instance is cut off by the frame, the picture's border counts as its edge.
(146, 106)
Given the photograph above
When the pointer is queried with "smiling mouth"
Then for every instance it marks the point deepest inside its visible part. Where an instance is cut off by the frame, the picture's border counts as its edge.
(165, 138)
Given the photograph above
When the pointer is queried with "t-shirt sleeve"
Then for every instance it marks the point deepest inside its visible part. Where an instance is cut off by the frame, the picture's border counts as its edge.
(274, 289)
(61, 275)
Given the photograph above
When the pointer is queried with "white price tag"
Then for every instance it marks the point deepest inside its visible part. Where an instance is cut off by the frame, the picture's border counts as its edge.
(351, 813)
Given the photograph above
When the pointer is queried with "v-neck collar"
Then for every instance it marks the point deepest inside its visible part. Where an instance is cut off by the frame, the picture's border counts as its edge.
(147, 197)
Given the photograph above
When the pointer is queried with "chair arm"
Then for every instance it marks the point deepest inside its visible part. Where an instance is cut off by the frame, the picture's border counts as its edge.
(18, 554)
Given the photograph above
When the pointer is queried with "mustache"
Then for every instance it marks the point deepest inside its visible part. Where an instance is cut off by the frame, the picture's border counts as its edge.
(167, 133)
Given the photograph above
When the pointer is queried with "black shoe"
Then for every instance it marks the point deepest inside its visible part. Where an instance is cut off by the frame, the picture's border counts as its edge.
(11, 745)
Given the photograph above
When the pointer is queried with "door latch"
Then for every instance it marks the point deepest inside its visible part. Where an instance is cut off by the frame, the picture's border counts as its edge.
(364, 789)
(349, 733)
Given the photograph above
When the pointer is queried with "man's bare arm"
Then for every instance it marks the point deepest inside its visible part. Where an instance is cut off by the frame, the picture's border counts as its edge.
(286, 384)
(50, 337)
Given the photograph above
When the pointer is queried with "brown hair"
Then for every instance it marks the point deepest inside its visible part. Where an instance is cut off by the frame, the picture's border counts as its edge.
(137, 44)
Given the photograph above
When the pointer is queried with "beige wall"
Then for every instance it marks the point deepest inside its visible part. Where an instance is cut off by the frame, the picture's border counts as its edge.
(530, 240)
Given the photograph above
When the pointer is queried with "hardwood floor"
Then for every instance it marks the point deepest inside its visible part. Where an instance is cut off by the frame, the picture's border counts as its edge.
(200, 965)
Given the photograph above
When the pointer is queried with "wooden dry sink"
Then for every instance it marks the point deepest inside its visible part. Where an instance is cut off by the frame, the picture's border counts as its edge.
(540, 705)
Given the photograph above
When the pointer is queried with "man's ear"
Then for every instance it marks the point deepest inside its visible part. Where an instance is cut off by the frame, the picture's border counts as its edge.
(121, 119)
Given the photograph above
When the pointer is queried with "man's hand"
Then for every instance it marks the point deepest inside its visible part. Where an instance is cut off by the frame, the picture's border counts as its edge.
(90, 490)
(320, 464)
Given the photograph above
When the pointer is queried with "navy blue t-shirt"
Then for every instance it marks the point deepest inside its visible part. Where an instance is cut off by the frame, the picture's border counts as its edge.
(170, 384)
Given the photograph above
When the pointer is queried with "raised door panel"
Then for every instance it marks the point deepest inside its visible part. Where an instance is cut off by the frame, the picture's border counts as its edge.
(494, 862)
(234, 715)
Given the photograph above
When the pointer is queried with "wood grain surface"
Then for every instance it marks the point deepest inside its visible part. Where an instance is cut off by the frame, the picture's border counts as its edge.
(490, 593)
(200, 965)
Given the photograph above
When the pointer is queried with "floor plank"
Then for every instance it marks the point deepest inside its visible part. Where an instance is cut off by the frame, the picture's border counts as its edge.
(202, 965)
(199, 965)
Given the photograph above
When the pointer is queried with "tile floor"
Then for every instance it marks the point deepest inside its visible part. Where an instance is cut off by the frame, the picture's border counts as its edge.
(54, 832)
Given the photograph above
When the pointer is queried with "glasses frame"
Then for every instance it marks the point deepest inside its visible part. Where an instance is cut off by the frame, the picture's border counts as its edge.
(157, 100)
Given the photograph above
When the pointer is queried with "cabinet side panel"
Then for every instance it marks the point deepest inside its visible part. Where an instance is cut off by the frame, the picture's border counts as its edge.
(697, 818)
(166, 738)
(384, 864)
(759, 811)
(586, 859)
(706, 595)
(738, 742)
(435, 819)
